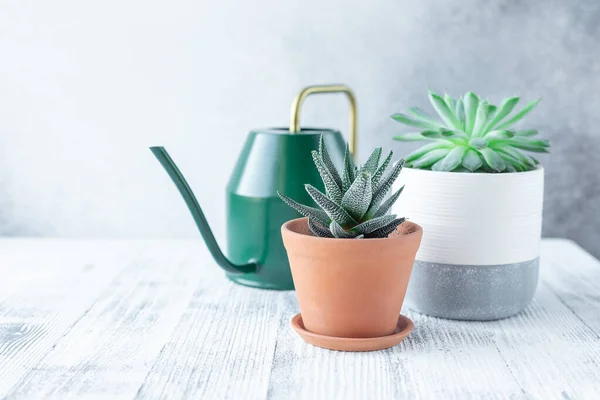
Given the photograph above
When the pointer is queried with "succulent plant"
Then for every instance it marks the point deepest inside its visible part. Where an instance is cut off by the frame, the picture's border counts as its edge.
(474, 136)
(354, 204)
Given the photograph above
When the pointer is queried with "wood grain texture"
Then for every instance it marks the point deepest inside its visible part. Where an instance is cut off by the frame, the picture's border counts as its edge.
(573, 276)
(223, 346)
(111, 348)
(157, 319)
(46, 286)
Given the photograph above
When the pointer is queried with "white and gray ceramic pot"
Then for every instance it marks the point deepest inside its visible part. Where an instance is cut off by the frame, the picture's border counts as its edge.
(479, 257)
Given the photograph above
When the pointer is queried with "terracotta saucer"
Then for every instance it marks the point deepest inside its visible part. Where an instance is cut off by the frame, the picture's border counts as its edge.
(405, 326)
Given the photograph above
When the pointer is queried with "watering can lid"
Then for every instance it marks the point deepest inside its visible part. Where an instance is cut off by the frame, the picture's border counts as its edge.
(286, 131)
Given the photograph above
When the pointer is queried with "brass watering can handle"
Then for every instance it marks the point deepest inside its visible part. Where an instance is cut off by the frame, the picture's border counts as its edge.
(297, 104)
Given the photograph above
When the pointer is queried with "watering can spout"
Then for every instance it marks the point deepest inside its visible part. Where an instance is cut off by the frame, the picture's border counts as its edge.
(190, 200)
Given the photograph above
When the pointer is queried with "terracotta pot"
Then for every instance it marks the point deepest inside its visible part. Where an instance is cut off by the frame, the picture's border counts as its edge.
(351, 288)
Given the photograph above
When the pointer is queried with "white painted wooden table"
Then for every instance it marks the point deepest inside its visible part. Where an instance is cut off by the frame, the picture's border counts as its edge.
(157, 319)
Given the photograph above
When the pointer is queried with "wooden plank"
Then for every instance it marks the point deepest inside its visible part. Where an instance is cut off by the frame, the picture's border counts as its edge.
(574, 276)
(222, 348)
(549, 351)
(451, 360)
(109, 351)
(75, 323)
(439, 359)
(47, 285)
(302, 371)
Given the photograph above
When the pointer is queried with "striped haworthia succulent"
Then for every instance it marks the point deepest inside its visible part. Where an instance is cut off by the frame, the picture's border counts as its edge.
(473, 136)
(354, 204)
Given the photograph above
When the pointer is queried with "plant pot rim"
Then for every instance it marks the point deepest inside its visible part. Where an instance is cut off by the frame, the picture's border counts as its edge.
(291, 225)
(539, 168)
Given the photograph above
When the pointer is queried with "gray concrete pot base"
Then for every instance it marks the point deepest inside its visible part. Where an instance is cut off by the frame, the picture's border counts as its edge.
(472, 292)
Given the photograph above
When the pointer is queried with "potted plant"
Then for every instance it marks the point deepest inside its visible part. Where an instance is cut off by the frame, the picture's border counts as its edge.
(478, 195)
(350, 260)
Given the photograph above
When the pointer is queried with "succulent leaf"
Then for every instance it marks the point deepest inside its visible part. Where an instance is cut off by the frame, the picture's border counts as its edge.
(451, 161)
(383, 208)
(471, 102)
(339, 232)
(318, 230)
(373, 224)
(493, 159)
(426, 149)
(435, 134)
(536, 146)
(372, 162)
(514, 161)
(519, 166)
(328, 163)
(386, 183)
(315, 214)
(443, 110)
(451, 103)
(333, 210)
(478, 143)
(412, 137)
(527, 133)
(348, 175)
(522, 157)
(459, 111)
(389, 178)
(505, 109)
(472, 160)
(430, 158)
(421, 115)
(385, 231)
(454, 134)
(518, 116)
(417, 123)
(331, 188)
(501, 134)
(357, 199)
(379, 173)
(481, 119)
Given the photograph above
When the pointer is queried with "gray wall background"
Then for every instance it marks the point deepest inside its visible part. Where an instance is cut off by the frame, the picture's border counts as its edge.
(85, 87)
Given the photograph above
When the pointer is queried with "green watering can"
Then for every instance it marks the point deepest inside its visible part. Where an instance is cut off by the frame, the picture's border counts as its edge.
(272, 160)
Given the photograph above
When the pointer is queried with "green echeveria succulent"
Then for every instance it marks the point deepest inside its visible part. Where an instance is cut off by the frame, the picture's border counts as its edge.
(354, 204)
(474, 136)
